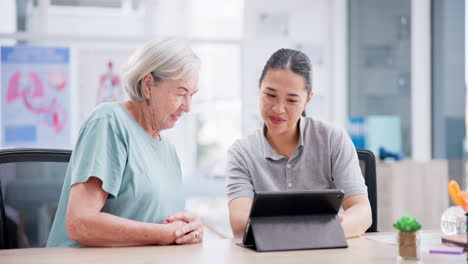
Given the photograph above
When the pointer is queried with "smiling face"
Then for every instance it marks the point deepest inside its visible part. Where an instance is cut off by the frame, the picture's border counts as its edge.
(283, 98)
(169, 99)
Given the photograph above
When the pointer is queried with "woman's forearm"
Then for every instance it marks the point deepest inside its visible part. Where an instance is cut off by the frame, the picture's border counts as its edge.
(356, 220)
(103, 229)
(238, 224)
(239, 210)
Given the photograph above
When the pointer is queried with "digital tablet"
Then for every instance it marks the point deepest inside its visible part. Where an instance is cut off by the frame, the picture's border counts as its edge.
(295, 220)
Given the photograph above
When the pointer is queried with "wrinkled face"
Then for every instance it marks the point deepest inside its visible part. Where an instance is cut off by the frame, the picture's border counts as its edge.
(169, 99)
(283, 98)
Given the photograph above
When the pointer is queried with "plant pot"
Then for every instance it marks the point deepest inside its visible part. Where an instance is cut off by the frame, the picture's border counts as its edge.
(409, 245)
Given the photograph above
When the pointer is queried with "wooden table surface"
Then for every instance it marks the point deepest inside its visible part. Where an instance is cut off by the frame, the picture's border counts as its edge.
(360, 250)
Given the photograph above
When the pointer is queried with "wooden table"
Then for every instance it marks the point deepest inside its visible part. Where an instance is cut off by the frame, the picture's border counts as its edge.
(360, 250)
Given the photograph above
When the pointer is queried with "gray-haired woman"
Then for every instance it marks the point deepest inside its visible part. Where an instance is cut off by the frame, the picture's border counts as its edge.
(123, 183)
(294, 152)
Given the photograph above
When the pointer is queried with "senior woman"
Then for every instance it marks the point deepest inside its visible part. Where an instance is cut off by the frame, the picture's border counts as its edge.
(123, 183)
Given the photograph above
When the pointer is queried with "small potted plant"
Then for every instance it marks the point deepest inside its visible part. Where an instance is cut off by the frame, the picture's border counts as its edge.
(408, 237)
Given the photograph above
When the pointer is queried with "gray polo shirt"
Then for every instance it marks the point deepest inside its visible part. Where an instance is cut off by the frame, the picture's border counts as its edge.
(325, 158)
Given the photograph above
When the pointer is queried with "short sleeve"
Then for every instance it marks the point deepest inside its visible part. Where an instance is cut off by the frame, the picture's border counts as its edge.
(346, 173)
(99, 152)
(238, 179)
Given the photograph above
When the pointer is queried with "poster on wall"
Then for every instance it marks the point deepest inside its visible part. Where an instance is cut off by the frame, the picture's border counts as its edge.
(99, 78)
(35, 101)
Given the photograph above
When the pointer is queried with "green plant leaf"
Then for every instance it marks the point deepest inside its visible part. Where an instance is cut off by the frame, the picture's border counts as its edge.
(407, 223)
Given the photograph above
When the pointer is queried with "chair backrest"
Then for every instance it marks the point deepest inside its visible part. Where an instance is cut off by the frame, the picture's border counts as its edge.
(31, 181)
(367, 164)
(3, 227)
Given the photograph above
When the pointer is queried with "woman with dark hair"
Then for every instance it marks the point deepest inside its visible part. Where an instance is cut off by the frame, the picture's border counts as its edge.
(292, 151)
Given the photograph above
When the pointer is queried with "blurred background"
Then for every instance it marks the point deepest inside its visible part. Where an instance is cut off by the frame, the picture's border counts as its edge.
(393, 73)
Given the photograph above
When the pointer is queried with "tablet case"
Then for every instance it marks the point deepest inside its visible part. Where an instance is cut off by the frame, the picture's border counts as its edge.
(295, 221)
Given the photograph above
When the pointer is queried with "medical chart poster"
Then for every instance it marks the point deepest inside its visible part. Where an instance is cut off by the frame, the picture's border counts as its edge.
(35, 105)
(99, 78)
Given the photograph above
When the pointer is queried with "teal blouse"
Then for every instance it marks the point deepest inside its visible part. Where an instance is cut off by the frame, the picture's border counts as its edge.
(142, 176)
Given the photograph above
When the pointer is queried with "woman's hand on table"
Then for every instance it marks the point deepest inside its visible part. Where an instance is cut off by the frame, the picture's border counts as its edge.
(191, 232)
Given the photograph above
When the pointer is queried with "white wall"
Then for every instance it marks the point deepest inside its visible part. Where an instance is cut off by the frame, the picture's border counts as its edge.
(421, 80)
(8, 16)
(82, 20)
(7, 25)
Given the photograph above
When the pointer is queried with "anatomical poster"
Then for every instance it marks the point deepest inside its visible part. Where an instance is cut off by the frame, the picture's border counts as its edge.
(35, 104)
(99, 78)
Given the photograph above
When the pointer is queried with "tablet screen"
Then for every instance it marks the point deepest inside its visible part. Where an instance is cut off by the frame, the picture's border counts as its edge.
(296, 203)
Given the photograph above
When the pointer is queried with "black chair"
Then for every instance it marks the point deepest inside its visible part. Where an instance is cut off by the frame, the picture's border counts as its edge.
(367, 164)
(3, 227)
(31, 180)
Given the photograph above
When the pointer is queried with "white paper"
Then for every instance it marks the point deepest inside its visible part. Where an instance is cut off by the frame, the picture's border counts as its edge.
(428, 239)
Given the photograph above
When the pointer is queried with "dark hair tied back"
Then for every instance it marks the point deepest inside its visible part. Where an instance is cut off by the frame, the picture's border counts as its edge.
(293, 60)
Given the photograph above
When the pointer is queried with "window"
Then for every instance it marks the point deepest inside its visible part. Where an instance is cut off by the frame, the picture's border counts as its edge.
(217, 108)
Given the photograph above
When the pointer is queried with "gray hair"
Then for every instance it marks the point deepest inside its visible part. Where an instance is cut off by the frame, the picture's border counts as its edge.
(165, 59)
